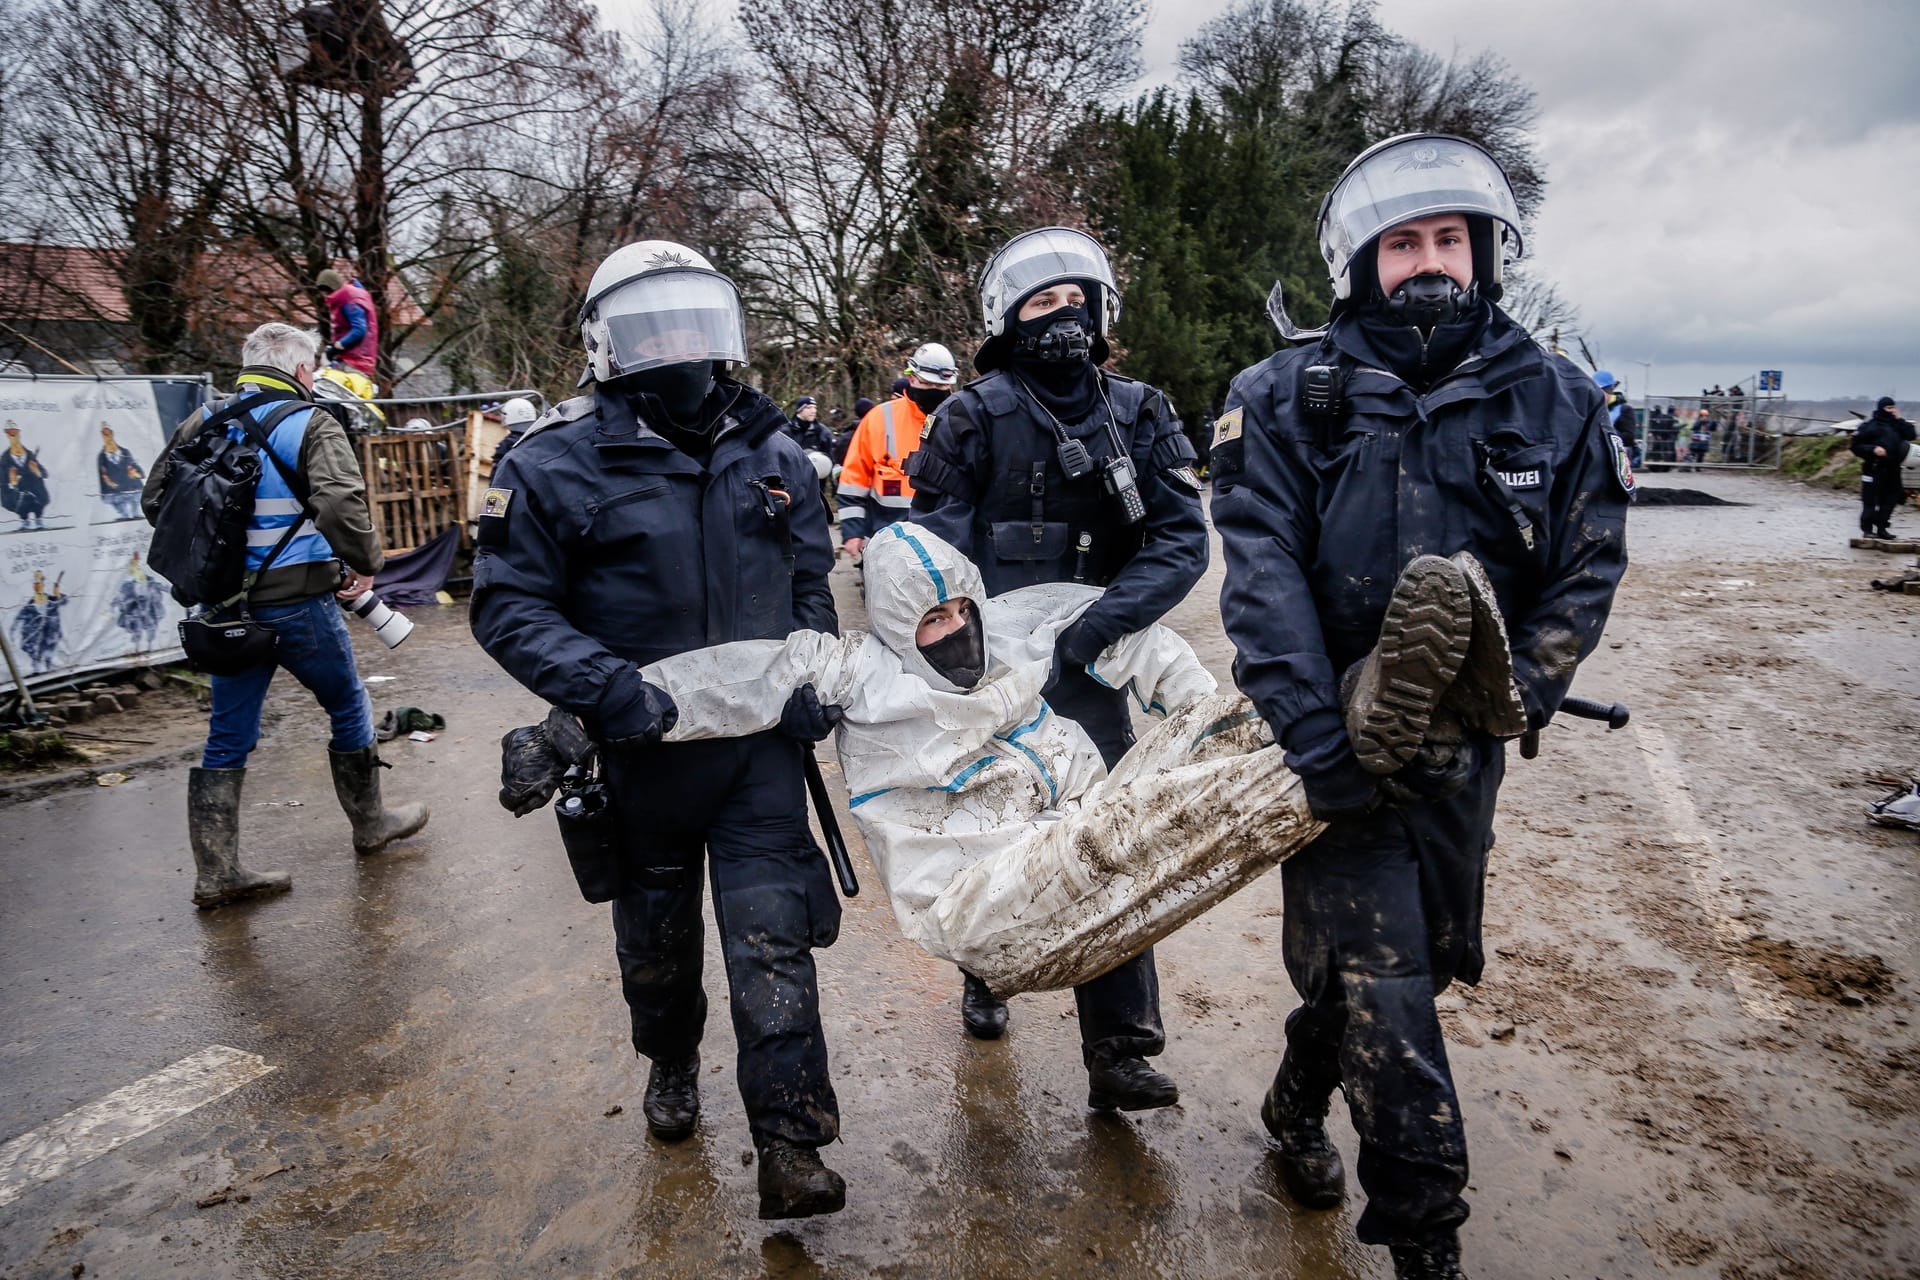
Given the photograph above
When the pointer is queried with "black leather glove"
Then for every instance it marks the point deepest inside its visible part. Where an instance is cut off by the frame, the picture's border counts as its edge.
(1428, 779)
(534, 757)
(805, 719)
(1319, 751)
(333, 351)
(633, 713)
(1064, 659)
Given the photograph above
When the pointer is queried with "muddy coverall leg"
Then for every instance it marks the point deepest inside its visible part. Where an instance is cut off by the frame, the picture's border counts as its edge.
(1381, 914)
(743, 803)
(1120, 1009)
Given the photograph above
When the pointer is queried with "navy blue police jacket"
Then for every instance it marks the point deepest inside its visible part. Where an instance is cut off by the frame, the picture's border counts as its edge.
(1318, 522)
(603, 547)
(987, 478)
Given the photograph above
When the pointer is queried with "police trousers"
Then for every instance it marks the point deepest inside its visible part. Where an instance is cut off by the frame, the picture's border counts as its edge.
(1119, 1010)
(1881, 493)
(739, 805)
(1381, 914)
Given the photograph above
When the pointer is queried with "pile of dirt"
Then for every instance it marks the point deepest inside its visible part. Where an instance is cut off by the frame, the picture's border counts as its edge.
(1664, 497)
(1818, 973)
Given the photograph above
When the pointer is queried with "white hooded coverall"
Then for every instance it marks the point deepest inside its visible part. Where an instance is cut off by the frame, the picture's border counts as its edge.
(1003, 844)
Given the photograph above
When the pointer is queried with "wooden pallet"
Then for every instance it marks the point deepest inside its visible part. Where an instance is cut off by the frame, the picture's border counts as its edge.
(416, 485)
(1898, 545)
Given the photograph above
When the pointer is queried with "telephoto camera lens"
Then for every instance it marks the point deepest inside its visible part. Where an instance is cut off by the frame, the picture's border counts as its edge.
(390, 625)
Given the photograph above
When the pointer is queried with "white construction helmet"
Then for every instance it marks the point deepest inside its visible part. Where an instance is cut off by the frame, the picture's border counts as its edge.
(517, 411)
(1034, 259)
(1417, 175)
(656, 303)
(933, 363)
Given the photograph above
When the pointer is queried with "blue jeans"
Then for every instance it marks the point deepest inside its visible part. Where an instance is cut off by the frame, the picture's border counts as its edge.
(315, 649)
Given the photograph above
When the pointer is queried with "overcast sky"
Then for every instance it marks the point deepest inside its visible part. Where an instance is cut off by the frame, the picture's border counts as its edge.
(1732, 184)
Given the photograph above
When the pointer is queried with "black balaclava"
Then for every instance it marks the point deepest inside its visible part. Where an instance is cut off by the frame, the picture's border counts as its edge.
(928, 398)
(669, 398)
(960, 656)
(1053, 355)
(1425, 329)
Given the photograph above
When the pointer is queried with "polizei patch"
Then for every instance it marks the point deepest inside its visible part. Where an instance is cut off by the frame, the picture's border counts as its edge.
(1622, 464)
(1529, 479)
(1227, 426)
(494, 502)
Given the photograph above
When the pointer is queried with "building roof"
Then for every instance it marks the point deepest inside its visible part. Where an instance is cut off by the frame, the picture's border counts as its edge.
(76, 283)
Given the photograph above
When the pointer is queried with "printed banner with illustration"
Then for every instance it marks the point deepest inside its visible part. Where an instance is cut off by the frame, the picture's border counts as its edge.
(75, 592)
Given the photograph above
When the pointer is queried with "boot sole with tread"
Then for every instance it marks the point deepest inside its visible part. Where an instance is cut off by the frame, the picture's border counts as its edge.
(1423, 642)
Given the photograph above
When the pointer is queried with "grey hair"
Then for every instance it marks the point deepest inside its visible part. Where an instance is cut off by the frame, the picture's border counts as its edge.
(281, 346)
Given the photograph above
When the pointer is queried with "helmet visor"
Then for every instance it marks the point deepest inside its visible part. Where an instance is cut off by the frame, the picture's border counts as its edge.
(673, 317)
(1042, 257)
(1408, 178)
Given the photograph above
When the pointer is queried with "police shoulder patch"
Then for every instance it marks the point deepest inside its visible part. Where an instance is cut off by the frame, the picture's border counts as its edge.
(1227, 426)
(494, 502)
(1186, 476)
(1622, 464)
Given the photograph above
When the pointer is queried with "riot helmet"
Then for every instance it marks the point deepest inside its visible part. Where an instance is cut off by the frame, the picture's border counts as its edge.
(1418, 175)
(658, 303)
(1035, 259)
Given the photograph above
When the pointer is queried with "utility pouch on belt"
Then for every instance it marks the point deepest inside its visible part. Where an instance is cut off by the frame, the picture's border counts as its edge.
(586, 829)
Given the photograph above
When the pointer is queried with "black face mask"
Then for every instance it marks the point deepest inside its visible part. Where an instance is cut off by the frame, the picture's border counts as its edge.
(1060, 334)
(928, 398)
(680, 389)
(960, 656)
(1429, 300)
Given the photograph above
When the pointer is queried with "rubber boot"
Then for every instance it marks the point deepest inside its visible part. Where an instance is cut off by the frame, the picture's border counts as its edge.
(672, 1101)
(1128, 1084)
(356, 780)
(1296, 1115)
(1435, 1259)
(1423, 641)
(794, 1184)
(213, 828)
(1484, 695)
(982, 1013)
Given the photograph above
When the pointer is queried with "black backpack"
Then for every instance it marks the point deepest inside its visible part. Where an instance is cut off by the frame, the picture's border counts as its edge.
(200, 533)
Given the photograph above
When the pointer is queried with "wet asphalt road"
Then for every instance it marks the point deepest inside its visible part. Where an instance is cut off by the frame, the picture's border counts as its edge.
(453, 1091)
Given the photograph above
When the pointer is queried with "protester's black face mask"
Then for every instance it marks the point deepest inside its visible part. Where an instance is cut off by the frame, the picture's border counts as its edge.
(680, 388)
(1060, 334)
(960, 656)
(928, 398)
(1428, 300)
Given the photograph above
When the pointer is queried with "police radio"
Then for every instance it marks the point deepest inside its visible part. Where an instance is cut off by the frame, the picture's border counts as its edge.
(1320, 391)
(1074, 459)
(1123, 482)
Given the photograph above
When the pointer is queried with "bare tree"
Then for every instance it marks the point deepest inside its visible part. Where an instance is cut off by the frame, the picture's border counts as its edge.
(1415, 91)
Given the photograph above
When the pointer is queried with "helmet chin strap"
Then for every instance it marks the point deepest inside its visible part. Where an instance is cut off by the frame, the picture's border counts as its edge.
(1428, 300)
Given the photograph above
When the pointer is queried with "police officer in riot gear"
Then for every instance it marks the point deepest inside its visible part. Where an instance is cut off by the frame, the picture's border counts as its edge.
(665, 510)
(1048, 468)
(1423, 421)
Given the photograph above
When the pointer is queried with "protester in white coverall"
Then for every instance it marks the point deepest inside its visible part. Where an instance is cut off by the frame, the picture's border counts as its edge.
(1002, 842)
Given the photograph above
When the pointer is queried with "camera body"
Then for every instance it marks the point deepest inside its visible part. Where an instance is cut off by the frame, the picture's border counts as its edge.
(388, 623)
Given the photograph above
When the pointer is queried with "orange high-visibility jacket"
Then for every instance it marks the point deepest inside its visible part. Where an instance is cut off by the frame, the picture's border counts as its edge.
(874, 490)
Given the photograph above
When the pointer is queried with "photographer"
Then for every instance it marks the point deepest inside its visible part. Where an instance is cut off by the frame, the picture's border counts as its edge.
(334, 551)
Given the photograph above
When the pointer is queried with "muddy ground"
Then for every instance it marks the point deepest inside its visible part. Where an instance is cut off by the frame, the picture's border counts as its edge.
(1692, 1053)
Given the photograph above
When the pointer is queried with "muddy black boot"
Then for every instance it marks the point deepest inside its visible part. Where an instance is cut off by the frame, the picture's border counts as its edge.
(1128, 1084)
(1436, 1259)
(794, 1184)
(1295, 1114)
(672, 1101)
(1423, 641)
(1484, 694)
(356, 780)
(213, 828)
(983, 1013)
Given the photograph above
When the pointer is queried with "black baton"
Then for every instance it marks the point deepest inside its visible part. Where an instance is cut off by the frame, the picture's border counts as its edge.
(830, 827)
(1615, 715)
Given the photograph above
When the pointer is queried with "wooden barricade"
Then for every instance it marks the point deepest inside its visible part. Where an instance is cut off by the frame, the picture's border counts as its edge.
(416, 485)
